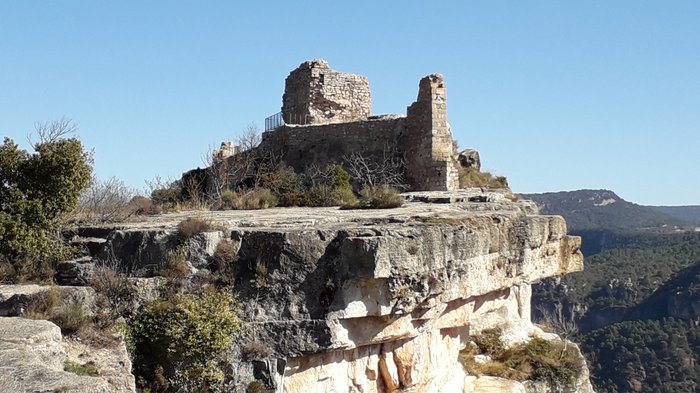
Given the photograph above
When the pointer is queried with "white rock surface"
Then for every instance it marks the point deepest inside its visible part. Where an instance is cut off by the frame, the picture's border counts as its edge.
(32, 358)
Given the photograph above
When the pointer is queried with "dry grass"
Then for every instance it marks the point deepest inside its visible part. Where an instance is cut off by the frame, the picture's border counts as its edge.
(471, 177)
(258, 198)
(49, 305)
(115, 293)
(538, 359)
(378, 197)
(223, 260)
(256, 350)
(175, 264)
(193, 226)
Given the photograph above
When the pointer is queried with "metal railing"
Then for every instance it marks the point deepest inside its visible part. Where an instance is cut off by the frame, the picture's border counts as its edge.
(277, 120)
(274, 121)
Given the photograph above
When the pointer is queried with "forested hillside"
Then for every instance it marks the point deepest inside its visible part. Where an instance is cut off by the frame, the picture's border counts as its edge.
(686, 213)
(637, 303)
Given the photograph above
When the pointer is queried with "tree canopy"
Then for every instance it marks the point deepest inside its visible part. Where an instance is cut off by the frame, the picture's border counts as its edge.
(36, 190)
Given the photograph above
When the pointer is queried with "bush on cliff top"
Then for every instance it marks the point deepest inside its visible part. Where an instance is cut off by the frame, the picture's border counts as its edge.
(538, 359)
(36, 191)
(177, 343)
(472, 177)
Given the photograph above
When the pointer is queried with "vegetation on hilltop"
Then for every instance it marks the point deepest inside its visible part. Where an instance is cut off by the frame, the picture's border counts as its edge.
(601, 209)
(685, 213)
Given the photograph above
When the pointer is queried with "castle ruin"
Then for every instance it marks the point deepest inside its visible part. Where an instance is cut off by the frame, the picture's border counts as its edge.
(327, 116)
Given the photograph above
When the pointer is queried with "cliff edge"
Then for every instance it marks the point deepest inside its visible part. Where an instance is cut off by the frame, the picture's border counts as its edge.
(373, 300)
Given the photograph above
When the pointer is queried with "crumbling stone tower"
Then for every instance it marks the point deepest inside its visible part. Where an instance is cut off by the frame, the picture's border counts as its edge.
(428, 138)
(327, 116)
(316, 94)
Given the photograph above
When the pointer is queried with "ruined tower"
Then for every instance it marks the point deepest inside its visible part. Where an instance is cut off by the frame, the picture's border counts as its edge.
(327, 118)
(428, 138)
(316, 94)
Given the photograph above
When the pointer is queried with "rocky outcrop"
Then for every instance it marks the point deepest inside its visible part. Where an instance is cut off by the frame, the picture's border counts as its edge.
(32, 359)
(375, 301)
(14, 299)
(75, 271)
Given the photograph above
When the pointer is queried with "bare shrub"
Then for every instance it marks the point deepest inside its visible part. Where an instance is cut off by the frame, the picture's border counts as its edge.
(52, 131)
(193, 226)
(70, 317)
(257, 198)
(141, 205)
(105, 201)
(250, 138)
(389, 169)
(115, 293)
(194, 190)
(564, 324)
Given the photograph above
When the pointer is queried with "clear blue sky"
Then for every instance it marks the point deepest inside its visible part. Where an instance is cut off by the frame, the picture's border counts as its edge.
(556, 95)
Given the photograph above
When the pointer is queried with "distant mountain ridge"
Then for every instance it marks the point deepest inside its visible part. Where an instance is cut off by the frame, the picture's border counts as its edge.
(687, 213)
(586, 210)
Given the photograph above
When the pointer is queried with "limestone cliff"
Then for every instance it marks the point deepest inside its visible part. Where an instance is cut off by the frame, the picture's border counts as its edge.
(374, 301)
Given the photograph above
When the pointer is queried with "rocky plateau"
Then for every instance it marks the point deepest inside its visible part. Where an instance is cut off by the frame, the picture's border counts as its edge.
(340, 300)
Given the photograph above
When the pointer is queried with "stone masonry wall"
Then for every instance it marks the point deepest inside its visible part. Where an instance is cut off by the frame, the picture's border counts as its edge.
(327, 117)
(302, 146)
(428, 139)
(316, 94)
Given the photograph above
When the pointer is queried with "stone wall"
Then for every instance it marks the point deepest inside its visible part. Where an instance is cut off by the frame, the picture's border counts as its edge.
(302, 146)
(316, 94)
(329, 113)
(428, 139)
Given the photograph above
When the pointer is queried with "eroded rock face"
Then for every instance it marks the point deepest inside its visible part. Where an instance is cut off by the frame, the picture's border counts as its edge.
(378, 301)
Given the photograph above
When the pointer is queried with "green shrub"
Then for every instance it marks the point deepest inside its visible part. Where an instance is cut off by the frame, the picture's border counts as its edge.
(326, 195)
(37, 190)
(284, 180)
(489, 342)
(302, 198)
(227, 200)
(259, 198)
(182, 340)
(88, 368)
(538, 359)
(338, 177)
(471, 177)
(380, 197)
